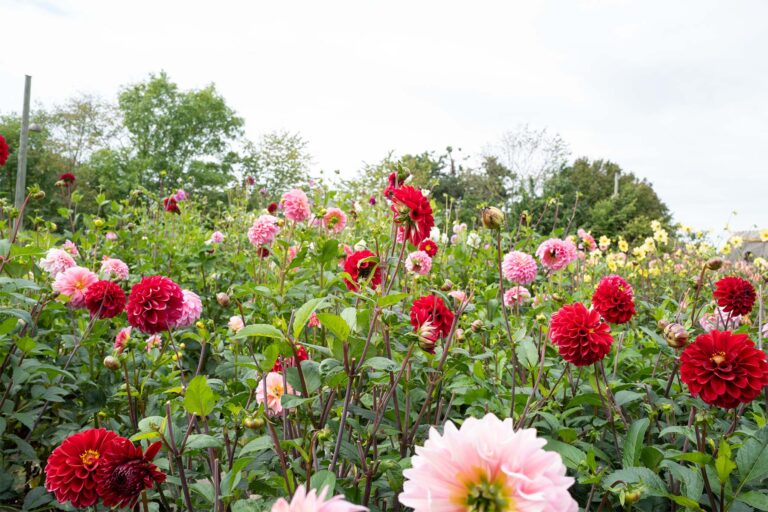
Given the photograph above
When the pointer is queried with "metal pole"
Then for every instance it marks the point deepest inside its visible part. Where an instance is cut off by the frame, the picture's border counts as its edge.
(21, 175)
(616, 184)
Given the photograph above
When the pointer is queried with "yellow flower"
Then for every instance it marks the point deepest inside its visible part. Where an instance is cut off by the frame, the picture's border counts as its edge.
(587, 278)
(661, 236)
(639, 253)
(649, 245)
(623, 245)
(604, 243)
(764, 235)
(736, 241)
(655, 225)
(726, 249)
(761, 263)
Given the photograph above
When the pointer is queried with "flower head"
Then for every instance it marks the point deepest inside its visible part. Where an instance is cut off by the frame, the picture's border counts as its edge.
(724, 368)
(413, 212)
(296, 205)
(313, 501)
(217, 237)
(587, 240)
(71, 248)
(335, 220)
(362, 266)
(301, 355)
(125, 471)
(431, 309)
(582, 338)
(519, 267)
(263, 231)
(110, 235)
(155, 304)
(614, 299)
(236, 323)
(516, 295)
(73, 283)
(485, 465)
(105, 299)
(735, 295)
(271, 391)
(122, 339)
(180, 195)
(429, 247)
(556, 254)
(169, 203)
(191, 308)
(418, 262)
(68, 178)
(56, 261)
(113, 267)
(272, 208)
(5, 151)
(154, 341)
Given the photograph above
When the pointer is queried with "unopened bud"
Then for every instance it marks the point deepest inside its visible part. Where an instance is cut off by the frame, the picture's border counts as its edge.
(459, 334)
(447, 286)
(223, 299)
(324, 434)
(40, 194)
(254, 423)
(98, 222)
(477, 325)
(492, 217)
(112, 363)
(675, 334)
(714, 263)
(281, 222)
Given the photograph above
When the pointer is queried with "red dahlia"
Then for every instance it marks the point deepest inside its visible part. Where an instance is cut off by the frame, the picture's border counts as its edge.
(5, 151)
(105, 299)
(155, 304)
(125, 471)
(71, 472)
(582, 338)
(272, 207)
(392, 183)
(361, 267)
(431, 309)
(429, 247)
(724, 368)
(169, 203)
(735, 295)
(413, 212)
(614, 300)
(301, 355)
(67, 178)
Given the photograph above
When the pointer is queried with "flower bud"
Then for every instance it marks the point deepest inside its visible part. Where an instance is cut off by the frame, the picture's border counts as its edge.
(447, 286)
(492, 217)
(98, 222)
(477, 325)
(111, 363)
(281, 222)
(674, 333)
(324, 434)
(254, 423)
(459, 334)
(714, 263)
(223, 299)
(40, 194)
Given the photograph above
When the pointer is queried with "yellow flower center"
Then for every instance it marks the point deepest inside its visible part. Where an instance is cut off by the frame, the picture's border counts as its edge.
(718, 358)
(482, 494)
(89, 457)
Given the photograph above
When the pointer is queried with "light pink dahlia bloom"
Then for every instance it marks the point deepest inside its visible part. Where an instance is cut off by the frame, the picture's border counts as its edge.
(272, 389)
(71, 248)
(113, 267)
(335, 220)
(556, 254)
(217, 237)
(418, 262)
(191, 308)
(73, 283)
(264, 230)
(235, 323)
(295, 203)
(313, 501)
(486, 465)
(519, 267)
(516, 295)
(154, 341)
(56, 261)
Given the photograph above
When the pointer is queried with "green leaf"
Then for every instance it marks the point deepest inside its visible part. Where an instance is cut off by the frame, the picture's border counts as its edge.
(350, 316)
(723, 463)
(330, 251)
(199, 398)
(752, 459)
(382, 363)
(262, 330)
(389, 300)
(202, 441)
(754, 499)
(336, 324)
(257, 445)
(303, 313)
(571, 455)
(625, 397)
(654, 484)
(323, 479)
(527, 353)
(633, 443)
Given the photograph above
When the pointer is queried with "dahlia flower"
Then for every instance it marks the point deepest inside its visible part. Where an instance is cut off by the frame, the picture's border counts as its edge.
(431, 310)
(56, 261)
(313, 501)
(180, 195)
(485, 465)
(418, 262)
(295, 203)
(473, 240)
(154, 341)
(67, 178)
(516, 295)
(191, 308)
(235, 323)
(272, 388)
(155, 304)
(335, 220)
(413, 212)
(429, 246)
(724, 368)
(110, 235)
(459, 295)
(169, 203)
(73, 283)
(301, 355)
(614, 300)
(104, 299)
(361, 270)
(519, 267)
(735, 295)
(71, 248)
(582, 338)
(5, 151)
(125, 471)
(263, 230)
(121, 340)
(313, 320)
(113, 267)
(587, 240)
(217, 237)
(556, 254)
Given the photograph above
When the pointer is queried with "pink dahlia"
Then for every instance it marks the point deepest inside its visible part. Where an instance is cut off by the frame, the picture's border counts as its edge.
(264, 230)
(418, 262)
(113, 267)
(217, 237)
(296, 205)
(180, 195)
(587, 240)
(486, 465)
(110, 235)
(516, 295)
(191, 308)
(314, 321)
(313, 501)
(271, 391)
(73, 283)
(235, 323)
(519, 267)
(458, 295)
(154, 341)
(56, 261)
(121, 340)
(556, 254)
(71, 248)
(335, 220)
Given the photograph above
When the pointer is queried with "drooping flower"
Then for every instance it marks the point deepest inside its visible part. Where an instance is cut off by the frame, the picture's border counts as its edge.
(335, 220)
(114, 267)
(68, 178)
(191, 308)
(5, 151)
(263, 231)
(71, 248)
(104, 299)
(121, 340)
(516, 295)
(71, 471)
(271, 391)
(582, 338)
(125, 471)
(361, 270)
(429, 246)
(556, 254)
(735, 295)
(313, 501)
(169, 203)
(431, 309)
(296, 205)
(56, 261)
(155, 304)
(301, 355)
(614, 299)
(724, 368)
(236, 323)
(418, 262)
(519, 267)
(485, 465)
(73, 283)
(413, 212)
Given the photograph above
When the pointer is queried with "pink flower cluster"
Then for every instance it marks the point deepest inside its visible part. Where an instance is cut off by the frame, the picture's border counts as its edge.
(419, 263)
(295, 203)
(556, 254)
(519, 267)
(263, 231)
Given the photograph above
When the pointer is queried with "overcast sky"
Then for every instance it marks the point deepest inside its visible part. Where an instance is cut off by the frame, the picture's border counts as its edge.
(676, 92)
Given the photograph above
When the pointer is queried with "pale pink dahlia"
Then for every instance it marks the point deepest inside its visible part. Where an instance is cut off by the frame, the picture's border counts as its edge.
(418, 262)
(122, 339)
(292, 252)
(296, 205)
(56, 261)
(313, 501)
(486, 465)
(73, 283)
(335, 220)
(519, 267)
(111, 235)
(216, 238)
(113, 267)
(191, 309)
(516, 295)
(236, 323)
(154, 341)
(556, 254)
(272, 389)
(264, 230)
(71, 248)
(459, 295)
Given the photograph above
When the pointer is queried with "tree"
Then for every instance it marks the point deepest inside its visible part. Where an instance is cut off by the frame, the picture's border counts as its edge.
(278, 162)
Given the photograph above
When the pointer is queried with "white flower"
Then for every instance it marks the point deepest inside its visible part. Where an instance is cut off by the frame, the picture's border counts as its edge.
(434, 233)
(360, 245)
(473, 240)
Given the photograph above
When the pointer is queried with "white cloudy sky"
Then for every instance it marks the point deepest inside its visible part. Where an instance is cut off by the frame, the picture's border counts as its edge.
(676, 92)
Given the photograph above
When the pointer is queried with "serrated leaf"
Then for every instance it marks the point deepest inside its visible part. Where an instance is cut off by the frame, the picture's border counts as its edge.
(323, 479)
(723, 463)
(381, 363)
(257, 445)
(752, 458)
(202, 441)
(389, 300)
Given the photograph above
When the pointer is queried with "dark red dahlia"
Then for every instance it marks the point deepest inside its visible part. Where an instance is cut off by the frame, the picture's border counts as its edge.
(582, 338)
(724, 368)
(413, 212)
(67, 178)
(155, 304)
(735, 295)
(5, 151)
(105, 299)
(262, 252)
(361, 267)
(372, 200)
(272, 208)
(429, 247)
(431, 309)
(301, 355)
(170, 205)
(614, 300)
(125, 471)
(71, 472)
